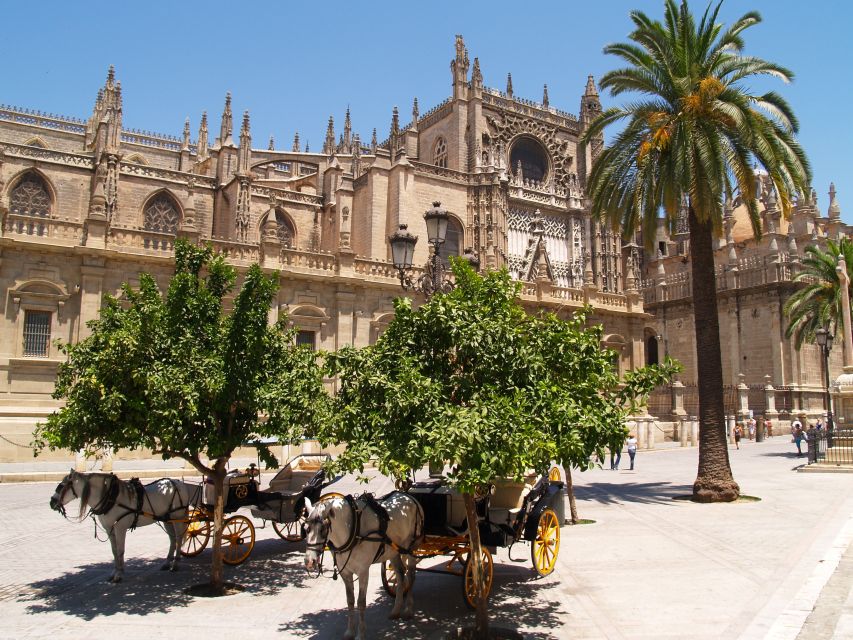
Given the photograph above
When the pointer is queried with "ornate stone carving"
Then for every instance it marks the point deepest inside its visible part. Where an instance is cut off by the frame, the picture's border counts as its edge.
(507, 126)
(31, 197)
(161, 215)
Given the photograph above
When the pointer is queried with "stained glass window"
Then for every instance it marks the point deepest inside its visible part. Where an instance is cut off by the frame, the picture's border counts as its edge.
(162, 215)
(440, 154)
(31, 197)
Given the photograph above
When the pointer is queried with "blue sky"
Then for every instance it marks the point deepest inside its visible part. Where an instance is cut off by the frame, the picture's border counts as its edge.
(293, 64)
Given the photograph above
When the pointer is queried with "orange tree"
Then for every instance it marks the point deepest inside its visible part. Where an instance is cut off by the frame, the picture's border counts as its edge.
(470, 380)
(183, 378)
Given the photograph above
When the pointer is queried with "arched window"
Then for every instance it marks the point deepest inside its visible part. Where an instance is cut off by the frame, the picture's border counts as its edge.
(439, 156)
(31, 197)
(452, 241)
(652, 356)
(286, 234)
(162, 214)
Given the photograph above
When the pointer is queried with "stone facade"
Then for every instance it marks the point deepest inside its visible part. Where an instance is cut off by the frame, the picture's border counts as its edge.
(755, 278)
(88, 205)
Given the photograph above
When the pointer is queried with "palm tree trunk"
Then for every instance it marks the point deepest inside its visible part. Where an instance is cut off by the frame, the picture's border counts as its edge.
(714, 481)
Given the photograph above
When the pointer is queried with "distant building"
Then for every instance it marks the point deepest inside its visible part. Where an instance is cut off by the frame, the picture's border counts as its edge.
(87, 205)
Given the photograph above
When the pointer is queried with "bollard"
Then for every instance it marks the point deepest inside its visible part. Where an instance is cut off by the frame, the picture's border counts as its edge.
(683, 426)
(759, 429)
(650, 425)
(694, 431)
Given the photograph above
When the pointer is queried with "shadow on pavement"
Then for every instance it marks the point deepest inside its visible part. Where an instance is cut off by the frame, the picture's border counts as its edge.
(85, 593)
(517, 600)
(783, 454)
(645, 492)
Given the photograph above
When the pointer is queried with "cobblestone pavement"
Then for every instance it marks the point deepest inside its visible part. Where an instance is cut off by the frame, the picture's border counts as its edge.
(649, 567)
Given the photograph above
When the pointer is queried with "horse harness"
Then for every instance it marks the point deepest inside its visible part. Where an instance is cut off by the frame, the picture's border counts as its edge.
(358, 506)
(111, 500)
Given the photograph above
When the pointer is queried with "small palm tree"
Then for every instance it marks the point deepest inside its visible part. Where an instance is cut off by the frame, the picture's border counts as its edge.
(694, 134)
(818, 303)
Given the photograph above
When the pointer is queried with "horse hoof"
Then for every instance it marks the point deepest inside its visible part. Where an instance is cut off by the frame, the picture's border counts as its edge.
(173, 568)
(408, 615)
(165, 567)
(114, 579)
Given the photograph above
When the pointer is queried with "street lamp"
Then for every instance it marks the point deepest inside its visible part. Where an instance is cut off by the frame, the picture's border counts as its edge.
(824, 339)
(434, 277)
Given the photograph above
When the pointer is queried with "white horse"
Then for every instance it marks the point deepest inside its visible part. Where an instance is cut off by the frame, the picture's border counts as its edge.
(359, 533)
(121, 505)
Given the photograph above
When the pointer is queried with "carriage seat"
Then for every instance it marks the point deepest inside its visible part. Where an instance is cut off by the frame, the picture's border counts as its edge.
(292, 482)
(508, 499)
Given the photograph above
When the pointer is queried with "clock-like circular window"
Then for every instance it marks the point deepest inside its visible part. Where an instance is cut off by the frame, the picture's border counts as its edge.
(533, 158)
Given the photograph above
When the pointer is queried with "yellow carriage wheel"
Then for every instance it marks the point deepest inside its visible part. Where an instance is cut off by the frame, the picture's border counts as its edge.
(546, 546)
(290, 531)
(238, 539)
(554, 475)
(197, 534)
(389, 579)
(469, 589)
(330, 496)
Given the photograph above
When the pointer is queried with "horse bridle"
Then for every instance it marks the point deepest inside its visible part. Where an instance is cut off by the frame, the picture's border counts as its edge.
(320, 547)
(61, 488)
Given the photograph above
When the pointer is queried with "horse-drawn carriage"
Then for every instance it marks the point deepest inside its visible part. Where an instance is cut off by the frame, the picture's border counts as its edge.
(282, 504)
(509, 512)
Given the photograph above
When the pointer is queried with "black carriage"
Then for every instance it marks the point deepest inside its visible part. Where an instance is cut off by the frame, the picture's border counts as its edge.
(282, 504)
(509, 512)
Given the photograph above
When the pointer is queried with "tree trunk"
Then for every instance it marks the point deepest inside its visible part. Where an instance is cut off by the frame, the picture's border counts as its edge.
(714, 481)
(570, 489)
(475, 556)
(217, 579)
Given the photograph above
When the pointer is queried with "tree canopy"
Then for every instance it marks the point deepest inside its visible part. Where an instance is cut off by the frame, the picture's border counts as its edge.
(180, 375)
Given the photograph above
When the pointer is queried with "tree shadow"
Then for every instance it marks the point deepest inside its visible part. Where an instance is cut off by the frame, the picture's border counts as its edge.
(518, 600)
(644, 493)
(84, 592)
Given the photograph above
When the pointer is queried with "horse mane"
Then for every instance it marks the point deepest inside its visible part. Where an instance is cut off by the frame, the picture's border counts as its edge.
(86, 493)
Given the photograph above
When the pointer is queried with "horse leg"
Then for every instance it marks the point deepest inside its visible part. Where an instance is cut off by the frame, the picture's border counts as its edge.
(172, 558)
(117, 538)
(397, 566)
(410, 564)
(362, 602)
(179, 529)
(351, 620)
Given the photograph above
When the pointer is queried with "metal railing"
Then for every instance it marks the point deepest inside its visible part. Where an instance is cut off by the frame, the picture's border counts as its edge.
(833, 447)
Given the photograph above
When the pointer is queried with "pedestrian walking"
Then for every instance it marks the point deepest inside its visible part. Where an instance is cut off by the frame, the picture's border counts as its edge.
(632, 448)
(768, 427)
(738, 435)
(751, 426)
(615, 457)
(799, 435)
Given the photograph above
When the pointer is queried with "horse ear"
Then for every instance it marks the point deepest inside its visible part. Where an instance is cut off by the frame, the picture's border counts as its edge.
(307, 504)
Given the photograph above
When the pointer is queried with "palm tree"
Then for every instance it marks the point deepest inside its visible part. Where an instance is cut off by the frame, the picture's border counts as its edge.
(818, 303)
(694, 133)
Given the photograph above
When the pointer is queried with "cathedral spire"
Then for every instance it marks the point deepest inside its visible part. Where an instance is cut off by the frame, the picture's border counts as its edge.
(373, 143)
(395, 121)
(545, 97)
(227, 126)
(590, 87)
(185, 143)
(245, 157)
(415, 114)
(459, 69)
(347, 141)
(509, 85)
(296, 143)
(271, 146)
(834, 211)
(329, 144)
(476, 75)
(201, 152)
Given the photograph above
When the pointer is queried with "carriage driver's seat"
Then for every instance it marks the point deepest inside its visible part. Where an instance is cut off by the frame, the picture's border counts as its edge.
(508, 498)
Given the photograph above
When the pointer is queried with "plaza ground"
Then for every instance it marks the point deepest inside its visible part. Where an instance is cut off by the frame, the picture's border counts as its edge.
(649, 567)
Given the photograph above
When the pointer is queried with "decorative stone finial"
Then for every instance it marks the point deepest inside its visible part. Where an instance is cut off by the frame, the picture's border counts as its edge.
(509, 85)
(545, 97)
(271, 146)
(834, 208)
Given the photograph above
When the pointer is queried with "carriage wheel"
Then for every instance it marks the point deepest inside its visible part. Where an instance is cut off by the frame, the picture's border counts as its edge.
(197, 534)
(330, 496)
(238, 539)
(290, 531)
(546, 546)
(389, 579)
(554, 475)
(469, 589)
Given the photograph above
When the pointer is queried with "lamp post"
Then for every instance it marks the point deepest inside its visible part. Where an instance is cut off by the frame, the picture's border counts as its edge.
(824, 339)
(435, 277)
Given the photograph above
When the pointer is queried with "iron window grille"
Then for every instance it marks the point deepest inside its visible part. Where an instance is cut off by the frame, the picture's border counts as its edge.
(307, 339)
(37, 333)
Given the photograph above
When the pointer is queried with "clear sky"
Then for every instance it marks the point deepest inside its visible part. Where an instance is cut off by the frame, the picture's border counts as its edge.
(293, 64)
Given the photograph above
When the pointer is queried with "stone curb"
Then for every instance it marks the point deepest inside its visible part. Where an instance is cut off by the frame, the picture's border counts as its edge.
(56, 476)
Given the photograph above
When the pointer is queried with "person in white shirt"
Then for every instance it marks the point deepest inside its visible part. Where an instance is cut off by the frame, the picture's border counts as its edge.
(632, 448)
